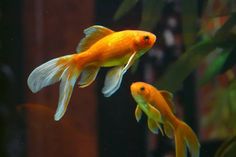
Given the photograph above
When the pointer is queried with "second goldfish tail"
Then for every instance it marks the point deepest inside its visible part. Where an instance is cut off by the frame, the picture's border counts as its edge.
(58, 69)
(186, 138)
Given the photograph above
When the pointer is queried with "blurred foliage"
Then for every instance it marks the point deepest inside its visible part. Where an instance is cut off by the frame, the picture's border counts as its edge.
(222, 99)
(227, 149)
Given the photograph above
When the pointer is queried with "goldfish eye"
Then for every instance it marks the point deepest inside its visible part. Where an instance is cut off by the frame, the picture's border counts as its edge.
(146, 38)
(142, 89)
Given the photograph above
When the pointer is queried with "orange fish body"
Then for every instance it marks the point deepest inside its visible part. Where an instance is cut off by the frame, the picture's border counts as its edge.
(157, 105)
(101, 47)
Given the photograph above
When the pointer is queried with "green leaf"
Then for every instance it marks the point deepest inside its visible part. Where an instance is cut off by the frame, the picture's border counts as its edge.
(215, 67)
(178, 71)
(151, 13)
(189, 18)
(227, 149)
(124, 8)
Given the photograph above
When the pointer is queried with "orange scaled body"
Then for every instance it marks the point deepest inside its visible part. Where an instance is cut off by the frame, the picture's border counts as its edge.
(101, 47)
(158, 106)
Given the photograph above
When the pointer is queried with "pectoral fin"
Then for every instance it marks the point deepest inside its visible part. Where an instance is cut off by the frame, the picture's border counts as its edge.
(88, 76)
(138, 113)
(114, 77)
(112, 81)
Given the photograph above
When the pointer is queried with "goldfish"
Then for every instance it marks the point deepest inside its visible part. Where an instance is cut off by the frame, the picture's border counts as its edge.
(101, 47)
(158, 106)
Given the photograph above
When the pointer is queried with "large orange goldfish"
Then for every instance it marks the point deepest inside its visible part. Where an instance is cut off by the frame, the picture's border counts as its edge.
(157, 105)
(101, 47)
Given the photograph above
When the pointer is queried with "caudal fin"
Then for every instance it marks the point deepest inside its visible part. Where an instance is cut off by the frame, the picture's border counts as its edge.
(58, 69)
(186, 138)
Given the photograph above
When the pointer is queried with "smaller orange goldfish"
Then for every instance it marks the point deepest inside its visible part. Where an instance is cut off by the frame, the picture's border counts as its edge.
(157, 105)
(101, 47)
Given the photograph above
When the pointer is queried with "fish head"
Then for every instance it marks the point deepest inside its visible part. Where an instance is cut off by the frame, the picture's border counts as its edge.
(140, 92)
(143, 41)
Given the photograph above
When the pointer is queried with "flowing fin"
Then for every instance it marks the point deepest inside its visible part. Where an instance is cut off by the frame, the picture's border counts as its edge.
(61, 68)
(154, 113)
(168, 130)
(92, 35)
(168, 97)
(184, 136)
(66, 87)
(152, 125)
(47, 73)
(138, 113)
(114, 77)
(88, 76)
(156, 116)
(112, 81)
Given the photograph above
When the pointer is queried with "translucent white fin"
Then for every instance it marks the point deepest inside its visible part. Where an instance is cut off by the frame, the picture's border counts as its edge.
(46, 74)
(114, 77)
(112, 81)
(88, 76)
(69, 78)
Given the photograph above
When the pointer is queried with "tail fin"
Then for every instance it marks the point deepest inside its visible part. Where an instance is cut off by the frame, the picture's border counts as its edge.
(57, 69)
(184, 136)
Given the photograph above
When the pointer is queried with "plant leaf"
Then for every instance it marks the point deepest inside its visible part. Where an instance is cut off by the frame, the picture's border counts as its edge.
(215, 67)
(189, 17)
(179, 70)
(151, 13)
(227, 149)
(124, 8)
(230, 61)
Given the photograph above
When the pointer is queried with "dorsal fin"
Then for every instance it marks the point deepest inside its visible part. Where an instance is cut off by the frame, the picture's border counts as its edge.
(92, 35)
(168, 97)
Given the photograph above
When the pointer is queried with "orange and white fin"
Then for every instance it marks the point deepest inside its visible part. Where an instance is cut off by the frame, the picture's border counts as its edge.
(55, 70)
(186, 138)
(88, 75)
(68, 80)
(138, 113)
(47, 74)
(114, 77)
(92, 35)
